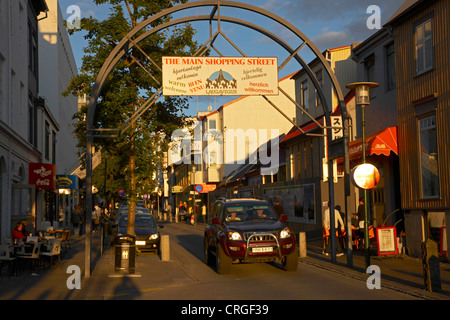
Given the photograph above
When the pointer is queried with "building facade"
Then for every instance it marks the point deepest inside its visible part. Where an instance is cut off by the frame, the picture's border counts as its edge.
(21, 112)
(422, 45)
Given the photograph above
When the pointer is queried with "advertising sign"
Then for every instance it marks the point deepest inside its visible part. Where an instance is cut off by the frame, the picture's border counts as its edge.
(387, 240)
(42, 175)
(66, 181)
(227, 76)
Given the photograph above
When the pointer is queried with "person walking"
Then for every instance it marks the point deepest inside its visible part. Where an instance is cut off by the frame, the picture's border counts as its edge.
(326, 225)
(77, 220)
(278, 208)
(96, 214)
(204, 213)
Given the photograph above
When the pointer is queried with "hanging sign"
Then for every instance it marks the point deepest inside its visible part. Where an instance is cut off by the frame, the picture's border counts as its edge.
(42, 175)
(66, 181)
(227, 76)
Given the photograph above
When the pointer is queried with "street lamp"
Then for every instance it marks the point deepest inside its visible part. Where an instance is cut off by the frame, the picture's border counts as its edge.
(362, 98)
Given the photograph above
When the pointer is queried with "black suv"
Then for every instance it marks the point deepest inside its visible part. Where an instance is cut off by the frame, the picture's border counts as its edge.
(248, 230)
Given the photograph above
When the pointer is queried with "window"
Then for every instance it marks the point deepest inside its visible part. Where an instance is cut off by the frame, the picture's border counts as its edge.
(429, 157)
(424, 47)
(320, 81)
(31, 121)
(54, 141)
(32, 49)
(212, 124)
(369, 66)
(305, 94)
(47, 141)
(390, 67)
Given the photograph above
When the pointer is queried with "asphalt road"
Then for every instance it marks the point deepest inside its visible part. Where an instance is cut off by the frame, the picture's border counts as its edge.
(259, 281)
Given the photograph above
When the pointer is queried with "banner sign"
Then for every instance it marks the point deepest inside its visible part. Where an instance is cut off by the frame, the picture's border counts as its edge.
(42, 175)
(227, 76)
(64, 181)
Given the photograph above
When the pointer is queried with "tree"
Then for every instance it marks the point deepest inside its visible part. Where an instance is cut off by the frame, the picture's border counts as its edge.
(132, 81)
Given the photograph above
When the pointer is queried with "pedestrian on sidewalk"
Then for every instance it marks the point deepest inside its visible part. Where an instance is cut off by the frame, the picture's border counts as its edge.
(326, 234)
(204, 212)
(77, 220)
(96, 213)
(278, 208)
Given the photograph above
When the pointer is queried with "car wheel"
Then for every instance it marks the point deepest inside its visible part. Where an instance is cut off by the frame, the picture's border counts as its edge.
(209, 259)
(223, 262)
(290, 262)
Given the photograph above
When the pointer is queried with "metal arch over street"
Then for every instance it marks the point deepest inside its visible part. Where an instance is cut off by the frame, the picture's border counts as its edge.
(128, 42)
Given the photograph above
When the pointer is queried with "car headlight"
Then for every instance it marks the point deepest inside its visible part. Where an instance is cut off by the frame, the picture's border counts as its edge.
(285, 233)
(153, 237)
(234, 236)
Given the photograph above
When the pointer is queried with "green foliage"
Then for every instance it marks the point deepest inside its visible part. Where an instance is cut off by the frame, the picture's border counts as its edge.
(128, 87)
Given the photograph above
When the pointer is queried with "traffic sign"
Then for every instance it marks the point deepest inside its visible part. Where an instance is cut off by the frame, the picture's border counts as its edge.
(121, 193)
(198, 188)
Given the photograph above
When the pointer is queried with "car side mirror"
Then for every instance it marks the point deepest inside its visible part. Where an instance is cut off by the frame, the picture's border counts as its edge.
(215, 221)
(283, 217)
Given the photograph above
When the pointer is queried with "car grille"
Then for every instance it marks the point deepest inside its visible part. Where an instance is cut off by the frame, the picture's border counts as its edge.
(259, 237)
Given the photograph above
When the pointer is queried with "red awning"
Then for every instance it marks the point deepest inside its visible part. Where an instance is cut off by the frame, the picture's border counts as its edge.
(380, 143)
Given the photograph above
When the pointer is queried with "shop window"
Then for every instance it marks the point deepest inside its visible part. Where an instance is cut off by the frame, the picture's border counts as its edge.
(429, 162)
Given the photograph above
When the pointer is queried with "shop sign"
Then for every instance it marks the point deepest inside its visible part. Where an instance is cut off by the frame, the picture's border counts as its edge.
(42, 175)
(65, 181)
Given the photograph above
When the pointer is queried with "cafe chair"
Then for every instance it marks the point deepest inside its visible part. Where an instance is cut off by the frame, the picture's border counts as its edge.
(5, 258)
(54, 251)
(33, 258)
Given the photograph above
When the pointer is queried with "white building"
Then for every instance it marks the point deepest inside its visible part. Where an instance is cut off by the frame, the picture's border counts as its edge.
(20, 112)
(57, 67)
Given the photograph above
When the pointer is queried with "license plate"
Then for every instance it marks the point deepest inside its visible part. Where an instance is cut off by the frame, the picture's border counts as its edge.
(140, 243)
(262, 249)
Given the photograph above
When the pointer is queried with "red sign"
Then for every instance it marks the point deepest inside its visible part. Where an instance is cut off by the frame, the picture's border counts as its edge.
(205, 188)
(42, 175)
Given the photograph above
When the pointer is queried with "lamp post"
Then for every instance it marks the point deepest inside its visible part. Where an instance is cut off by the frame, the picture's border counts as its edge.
(362, 98)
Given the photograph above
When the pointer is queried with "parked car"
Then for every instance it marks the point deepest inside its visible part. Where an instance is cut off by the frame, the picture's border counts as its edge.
(124, 210)
(146, 231)
(248, 230)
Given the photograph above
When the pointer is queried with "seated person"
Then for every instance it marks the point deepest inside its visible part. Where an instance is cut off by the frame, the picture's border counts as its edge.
(17, 233)
(260, 213)
(231, 216)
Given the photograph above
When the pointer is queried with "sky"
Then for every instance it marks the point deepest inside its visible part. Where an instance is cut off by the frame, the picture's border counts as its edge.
(327, 23)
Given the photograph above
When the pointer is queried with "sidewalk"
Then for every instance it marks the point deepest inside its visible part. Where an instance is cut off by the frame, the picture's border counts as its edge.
(401, 273)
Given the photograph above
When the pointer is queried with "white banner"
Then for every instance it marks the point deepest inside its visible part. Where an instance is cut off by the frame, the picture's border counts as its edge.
(227, 76)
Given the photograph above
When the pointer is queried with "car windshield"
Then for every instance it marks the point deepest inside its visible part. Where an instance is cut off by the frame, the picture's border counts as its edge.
(141, 221)
(248, 212)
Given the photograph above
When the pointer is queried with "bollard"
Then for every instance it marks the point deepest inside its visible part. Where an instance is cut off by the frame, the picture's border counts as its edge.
(165, 248)
(302, 244)
(431, 266)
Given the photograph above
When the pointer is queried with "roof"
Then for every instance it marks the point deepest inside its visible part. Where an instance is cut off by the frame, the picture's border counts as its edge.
(406, 7)
(311, 125)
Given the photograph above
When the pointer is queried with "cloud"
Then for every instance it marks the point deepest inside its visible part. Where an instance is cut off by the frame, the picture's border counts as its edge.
(332, 39)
